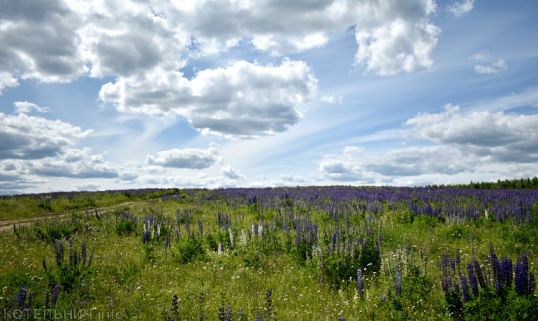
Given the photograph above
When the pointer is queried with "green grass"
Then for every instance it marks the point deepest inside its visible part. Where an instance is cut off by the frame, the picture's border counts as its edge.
(28, 206)
(126, 283)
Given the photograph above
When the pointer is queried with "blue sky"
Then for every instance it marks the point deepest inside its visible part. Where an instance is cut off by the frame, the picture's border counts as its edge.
(113, 95)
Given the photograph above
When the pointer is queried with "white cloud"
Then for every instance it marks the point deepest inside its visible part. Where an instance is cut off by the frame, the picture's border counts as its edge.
(7, 80)
(70, 163)
(242, 100)
(74, 163)
(462, 7)
(339, 170)
(492, 68)
(13, 182)
(33, 147)
(62, 40)
(393, 36)
(496, 135)
(32, 137)
(40, 41)
(192, 158)
(229, 172)
(482, 55)
(26, 107)
(463, 145)
(399, 46)
(88, 187)
(129, 38)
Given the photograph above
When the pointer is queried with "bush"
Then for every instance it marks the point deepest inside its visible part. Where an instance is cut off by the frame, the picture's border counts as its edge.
(513, 307)
(70, 270)
(57, 229)
(338, 268)
(190, 250)
(126, 223)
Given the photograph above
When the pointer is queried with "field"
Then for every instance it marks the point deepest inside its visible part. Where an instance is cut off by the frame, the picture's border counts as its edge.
(309, 253)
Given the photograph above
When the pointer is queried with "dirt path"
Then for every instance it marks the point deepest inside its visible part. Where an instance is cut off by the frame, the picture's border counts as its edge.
(7, 225)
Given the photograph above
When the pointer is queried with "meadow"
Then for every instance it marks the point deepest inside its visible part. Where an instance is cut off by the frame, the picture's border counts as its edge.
(304, 253)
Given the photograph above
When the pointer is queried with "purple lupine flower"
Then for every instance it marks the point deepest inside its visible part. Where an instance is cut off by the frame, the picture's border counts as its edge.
(494, 265)
(334, 240)
(479, 274)
(472, 279)
(453, 265)
(83, 250)
(506, 272)
(167, 242)
(464, 287)
(360, 281)
(21, 297)
(58, 251)
(55, 295)
(398, 281)
(146, 236)
(341, 318)
(174, 309)
(446, 285)
(445, 262)
(522, 275)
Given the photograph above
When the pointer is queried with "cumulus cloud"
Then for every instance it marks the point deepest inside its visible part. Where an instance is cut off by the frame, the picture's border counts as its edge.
(241, 100)
(39, 40)
(291, 180)
(492, 68)
(33, 147)
(338, 170)
(74, 163)
(396, 37)
(26, 107)
(461, 8)
(459, 144)
(414, 161)
(14, 179)
(7, 80)
(62, 40)
(497, 135)
(129, 38)
(229, 172)
(393, 36)
(481, 55)
(32, 137)
(192, 158)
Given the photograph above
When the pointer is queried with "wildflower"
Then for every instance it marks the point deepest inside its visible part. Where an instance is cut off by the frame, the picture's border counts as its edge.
(472, 279)
(479, 274)
(55, 295)
(21, 297)
(522, 275)
(398, 281)
(360, 281)
(464, 288)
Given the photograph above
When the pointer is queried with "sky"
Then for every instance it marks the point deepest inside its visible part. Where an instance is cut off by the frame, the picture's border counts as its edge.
(98, 95)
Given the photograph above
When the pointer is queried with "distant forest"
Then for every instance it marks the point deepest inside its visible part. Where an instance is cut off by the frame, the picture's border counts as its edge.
(530, 183)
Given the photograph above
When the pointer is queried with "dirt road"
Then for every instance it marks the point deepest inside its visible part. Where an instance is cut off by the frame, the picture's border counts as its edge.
(7, 225)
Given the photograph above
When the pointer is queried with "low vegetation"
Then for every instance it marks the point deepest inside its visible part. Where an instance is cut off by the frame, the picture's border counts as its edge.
(312, 253)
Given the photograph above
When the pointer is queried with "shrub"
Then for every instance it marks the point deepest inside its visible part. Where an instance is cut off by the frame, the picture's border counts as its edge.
(70, 271)
(190, 250)
(126, 223)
